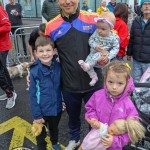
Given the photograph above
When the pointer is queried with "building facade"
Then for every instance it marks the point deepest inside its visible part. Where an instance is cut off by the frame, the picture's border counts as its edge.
(32, 8)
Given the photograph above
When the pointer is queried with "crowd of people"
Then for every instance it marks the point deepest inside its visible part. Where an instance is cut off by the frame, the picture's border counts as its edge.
(79, 57)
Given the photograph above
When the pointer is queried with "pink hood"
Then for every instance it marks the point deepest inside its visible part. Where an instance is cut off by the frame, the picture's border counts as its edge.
(101, 107)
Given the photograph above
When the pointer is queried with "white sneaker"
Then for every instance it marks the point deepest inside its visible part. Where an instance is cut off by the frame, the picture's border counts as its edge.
(72, 145)
(11, 101)
(3, 97)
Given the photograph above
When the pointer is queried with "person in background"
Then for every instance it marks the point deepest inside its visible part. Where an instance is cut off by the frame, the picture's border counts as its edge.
(50, 9)
(39, 31)
(85, 6)
(14, 11)
(102, 8)
(111, 5)
(131, 16)
(139, 43)
(45, 91)
(121, 14)
(70, 32)
(5, 45)
(137, 9)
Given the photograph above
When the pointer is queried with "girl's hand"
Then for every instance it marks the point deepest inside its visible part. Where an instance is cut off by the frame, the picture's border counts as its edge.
(94, 123)
(39, 121)
(107, 141)
(98, 48)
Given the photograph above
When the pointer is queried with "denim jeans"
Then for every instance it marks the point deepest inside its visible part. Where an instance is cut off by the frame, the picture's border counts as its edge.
(138, 69)
(73, 103)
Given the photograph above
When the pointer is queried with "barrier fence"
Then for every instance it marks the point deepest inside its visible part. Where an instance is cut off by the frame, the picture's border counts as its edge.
(19, 37)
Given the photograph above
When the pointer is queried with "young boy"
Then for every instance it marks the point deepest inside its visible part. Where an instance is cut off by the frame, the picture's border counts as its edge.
(45, 91)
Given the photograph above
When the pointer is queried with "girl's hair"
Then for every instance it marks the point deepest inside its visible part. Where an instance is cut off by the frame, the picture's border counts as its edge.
(118, 67)
(131, 126)
(43, 41)
(121, 11)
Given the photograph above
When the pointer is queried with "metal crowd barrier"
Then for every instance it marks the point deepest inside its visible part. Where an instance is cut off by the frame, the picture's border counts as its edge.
(20, 52)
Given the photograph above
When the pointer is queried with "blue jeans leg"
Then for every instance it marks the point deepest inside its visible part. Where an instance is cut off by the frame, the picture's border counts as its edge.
(138, 69)
(73, 103)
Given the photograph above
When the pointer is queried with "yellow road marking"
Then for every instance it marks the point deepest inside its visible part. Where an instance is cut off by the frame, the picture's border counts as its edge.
(22, 129)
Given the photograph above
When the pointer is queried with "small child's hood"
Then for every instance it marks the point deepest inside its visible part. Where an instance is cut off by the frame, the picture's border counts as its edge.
(128, 90)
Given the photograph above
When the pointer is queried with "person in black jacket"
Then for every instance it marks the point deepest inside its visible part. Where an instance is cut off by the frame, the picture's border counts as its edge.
(14, 11)
(139, 43)
(71, 31)
(50, 9)
(39, 31)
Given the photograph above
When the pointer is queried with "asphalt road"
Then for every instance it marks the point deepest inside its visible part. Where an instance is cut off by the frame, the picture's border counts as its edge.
(13, 122)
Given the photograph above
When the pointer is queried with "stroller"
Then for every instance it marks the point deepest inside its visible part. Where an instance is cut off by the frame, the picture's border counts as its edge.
(141, 99)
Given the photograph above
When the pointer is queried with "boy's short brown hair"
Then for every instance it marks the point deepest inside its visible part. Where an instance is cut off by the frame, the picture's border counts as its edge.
(43, 41)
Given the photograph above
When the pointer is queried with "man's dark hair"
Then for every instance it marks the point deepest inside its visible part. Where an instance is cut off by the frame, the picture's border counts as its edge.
(42, 27)
(43, 41)
(121, 11)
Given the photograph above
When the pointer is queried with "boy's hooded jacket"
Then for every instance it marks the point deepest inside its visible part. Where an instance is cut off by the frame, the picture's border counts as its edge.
(45, 89)
(5, 28)
(107, 109)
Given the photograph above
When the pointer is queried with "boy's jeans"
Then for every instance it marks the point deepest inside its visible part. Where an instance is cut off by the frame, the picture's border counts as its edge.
(138, 69)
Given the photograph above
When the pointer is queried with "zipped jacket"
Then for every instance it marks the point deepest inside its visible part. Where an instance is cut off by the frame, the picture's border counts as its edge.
(100, 10)
(5, 28)
(50, 9)
(139, 43)
(71, 35)
(107, 109)
(123, 33)
(45, 89)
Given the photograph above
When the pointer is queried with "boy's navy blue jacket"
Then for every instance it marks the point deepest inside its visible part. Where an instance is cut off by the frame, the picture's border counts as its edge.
(45, 89)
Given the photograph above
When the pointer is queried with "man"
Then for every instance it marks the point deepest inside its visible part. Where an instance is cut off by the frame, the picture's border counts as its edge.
(14, 11)
(5, 45)
(50, 9)
(139, 43)
(111, 5)
(40, 31)
(71, 31)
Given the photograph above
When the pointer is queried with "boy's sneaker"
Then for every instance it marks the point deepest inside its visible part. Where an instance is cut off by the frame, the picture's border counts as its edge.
(72, 145)
(56, 147)
(3, 97)
(11, 101)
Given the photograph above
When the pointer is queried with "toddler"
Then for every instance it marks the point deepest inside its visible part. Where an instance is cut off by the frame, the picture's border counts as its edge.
(112, 103)
(104, 45)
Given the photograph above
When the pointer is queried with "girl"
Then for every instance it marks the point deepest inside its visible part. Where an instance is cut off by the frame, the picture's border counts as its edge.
(121, 14)
(112, 103)
(130, 125)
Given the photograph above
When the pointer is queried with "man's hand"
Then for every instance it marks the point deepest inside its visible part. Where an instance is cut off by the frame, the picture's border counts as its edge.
(103, 60)
(107, 140)
(129, 58)
(98, 48)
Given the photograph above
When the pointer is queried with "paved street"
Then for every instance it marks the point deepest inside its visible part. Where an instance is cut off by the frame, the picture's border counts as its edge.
(15, 124)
